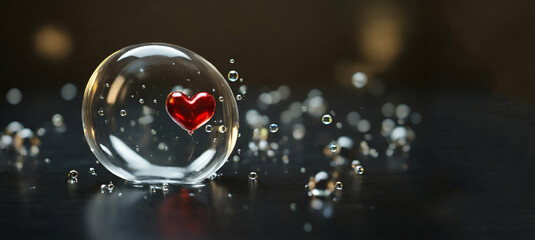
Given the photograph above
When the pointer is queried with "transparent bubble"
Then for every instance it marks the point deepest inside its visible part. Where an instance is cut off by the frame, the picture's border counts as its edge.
(273, 128)
(359, 169)
(153, 71)
(68, 91)
(321, 184)
(326, 119)
(333, 147)
(359, 79)
(208, 128)
(57, 120)
(339, 185)
(233, 76)
(73, 174)
(231, 60)
(103, 187)
(14, 96)
(238, 97)
(92, 171)
(253, 176)
(111, 186)
(123, 113)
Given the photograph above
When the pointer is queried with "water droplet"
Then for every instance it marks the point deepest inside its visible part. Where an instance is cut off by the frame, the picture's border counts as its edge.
(165, 187)
(141, 101)
(222, 129)
(57, 120)
(326, 119)
(123, 113)
(208, 128)
(359, 169)
(307, 227)
(243, 89)
(73, 174)
(273, 128)
(333, 147)
(253, 176)
(339, 185)
(293, 207)
(232, 60)
(111, 187)
(238, 97)
(359, 79)
(101, 112)
(221, 98)
(233, 76)
(92, 171)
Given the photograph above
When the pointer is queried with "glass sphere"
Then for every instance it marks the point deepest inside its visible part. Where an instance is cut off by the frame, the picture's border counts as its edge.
(126, 121)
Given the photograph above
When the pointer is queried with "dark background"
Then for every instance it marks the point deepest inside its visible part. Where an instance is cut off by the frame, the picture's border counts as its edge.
(466, 66)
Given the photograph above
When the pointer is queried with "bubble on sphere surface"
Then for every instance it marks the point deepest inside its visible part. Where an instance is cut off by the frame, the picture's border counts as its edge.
(152, 71)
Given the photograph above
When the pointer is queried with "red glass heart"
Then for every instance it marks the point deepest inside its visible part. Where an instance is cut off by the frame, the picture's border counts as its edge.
(190, 113)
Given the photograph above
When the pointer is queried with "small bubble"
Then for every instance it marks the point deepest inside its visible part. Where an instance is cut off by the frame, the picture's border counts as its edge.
(103, 187)
(359, 79)
(92, 171)
(339, 185)
(165, 187)
(239, 151)
(73, 174)
(153, 132)
(231, 60)
(111, 186)
(243, 89)
(101, 112)
(215, 139)
(107, 85)
(233, 76)
(238, 97)
(47, 160)
(229, 195)
(293, 207)
(326, 119)
(141, 101)
(333, 147)
(143, 86)
(57, 120)
(14, 96)
(155, 101)
(208, 128)
(221, 98)
(355, 163)
(253, 176)
(222, 129)
(359, 169)
(273, 128)
(307, 227)
(123, 113)
(152, 189)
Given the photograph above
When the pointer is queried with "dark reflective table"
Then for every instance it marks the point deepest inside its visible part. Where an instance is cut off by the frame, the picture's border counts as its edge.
(468, 174)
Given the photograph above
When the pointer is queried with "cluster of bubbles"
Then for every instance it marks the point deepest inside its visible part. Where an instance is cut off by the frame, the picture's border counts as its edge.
(20, 140)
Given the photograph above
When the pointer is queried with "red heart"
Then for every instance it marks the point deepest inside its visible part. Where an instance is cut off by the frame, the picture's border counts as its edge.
(190, 113)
